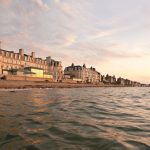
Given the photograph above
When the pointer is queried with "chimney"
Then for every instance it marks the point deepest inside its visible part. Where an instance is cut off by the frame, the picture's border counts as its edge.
(33, 54)
(48, 59)
(21, 52)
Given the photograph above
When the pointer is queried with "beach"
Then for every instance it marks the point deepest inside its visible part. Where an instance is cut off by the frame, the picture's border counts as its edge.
(4, 84)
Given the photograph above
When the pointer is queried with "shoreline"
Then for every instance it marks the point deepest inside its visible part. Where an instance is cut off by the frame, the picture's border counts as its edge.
(4, 84)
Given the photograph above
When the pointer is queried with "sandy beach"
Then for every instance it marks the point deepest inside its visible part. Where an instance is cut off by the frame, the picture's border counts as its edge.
(35, 84)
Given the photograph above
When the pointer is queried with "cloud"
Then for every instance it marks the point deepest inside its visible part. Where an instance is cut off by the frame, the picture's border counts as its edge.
(93, 32)
(69, 40)
(101, 52)
(41, 4)
(5, 3)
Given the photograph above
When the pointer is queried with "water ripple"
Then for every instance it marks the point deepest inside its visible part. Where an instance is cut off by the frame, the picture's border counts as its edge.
(76, 119)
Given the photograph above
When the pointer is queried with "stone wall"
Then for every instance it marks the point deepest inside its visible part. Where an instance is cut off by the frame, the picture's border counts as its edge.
(69, 81)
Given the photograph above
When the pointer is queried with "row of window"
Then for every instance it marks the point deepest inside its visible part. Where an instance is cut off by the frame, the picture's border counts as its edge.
(17, 67)
(11, 55)
(14, 61)
(9, 61)
(26, 58)
(85, 71)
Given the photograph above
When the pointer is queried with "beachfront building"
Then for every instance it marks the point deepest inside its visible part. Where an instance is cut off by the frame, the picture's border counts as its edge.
(111, 79)
(134, 83)
(10, 60)
(28, 72)
(86, 75)
(128, 82)
(103, 79)
(121, 81)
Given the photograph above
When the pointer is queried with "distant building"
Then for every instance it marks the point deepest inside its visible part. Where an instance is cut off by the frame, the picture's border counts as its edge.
(87, 75)
(103, 79)
(121, 81)
(11, 60)
(111, 79)
(128, 82)
(136, 83)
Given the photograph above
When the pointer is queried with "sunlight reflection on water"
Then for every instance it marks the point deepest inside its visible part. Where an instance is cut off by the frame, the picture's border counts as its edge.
(87, 118)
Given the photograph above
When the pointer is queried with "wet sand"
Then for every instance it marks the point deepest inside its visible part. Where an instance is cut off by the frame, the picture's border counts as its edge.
(32, 84)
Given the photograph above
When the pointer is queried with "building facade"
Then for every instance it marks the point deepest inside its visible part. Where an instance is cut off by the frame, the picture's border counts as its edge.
(11, 60)
(111, 79)
(121, 81)
(87, 75)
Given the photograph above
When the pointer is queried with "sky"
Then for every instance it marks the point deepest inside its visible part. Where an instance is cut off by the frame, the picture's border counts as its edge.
(111, 35)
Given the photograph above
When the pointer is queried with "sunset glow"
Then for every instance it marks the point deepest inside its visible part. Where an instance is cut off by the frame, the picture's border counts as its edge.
(111, 35)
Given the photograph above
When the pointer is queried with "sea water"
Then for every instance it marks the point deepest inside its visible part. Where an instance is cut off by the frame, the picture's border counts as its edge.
(75, 119)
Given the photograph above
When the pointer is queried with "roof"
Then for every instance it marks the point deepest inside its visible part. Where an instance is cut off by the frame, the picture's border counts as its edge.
(7, 51)
(26, 55)
(74, 66)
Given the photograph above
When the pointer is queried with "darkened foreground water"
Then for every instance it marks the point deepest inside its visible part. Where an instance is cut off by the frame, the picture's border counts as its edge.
(75, 119)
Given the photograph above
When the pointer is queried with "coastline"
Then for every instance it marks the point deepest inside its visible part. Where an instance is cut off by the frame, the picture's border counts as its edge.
(4, 84)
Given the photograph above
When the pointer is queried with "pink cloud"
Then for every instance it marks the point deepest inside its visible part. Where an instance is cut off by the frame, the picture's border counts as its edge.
(5, 3)
(41, 4)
